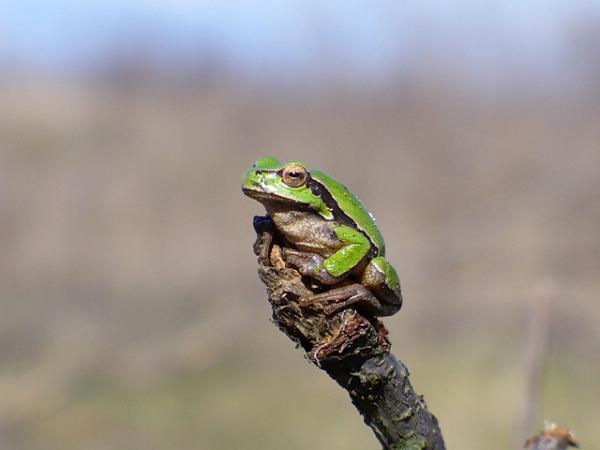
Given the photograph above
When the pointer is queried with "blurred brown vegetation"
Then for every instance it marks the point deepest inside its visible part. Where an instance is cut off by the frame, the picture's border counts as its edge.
(131, 313)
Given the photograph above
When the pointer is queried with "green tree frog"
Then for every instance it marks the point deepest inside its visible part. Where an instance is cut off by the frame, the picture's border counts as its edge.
(329, 236)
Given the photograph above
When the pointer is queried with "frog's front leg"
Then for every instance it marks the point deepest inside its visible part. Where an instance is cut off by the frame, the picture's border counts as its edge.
(379, 292)
(310, 264)
(352, 246)
(264, 228)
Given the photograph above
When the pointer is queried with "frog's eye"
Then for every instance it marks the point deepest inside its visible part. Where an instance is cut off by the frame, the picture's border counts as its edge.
(294, 175)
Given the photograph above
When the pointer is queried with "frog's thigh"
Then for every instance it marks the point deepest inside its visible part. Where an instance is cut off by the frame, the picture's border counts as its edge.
(356, 246)
(381, 277)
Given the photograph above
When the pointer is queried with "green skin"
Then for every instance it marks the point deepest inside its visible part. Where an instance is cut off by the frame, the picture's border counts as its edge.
(332, 237)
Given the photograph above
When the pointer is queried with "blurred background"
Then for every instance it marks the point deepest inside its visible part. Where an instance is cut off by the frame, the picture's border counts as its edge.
(131, 316)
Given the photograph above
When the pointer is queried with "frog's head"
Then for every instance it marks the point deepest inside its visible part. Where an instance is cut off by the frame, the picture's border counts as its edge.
(282, 185)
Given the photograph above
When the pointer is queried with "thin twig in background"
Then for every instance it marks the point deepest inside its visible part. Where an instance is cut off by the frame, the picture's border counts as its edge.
(536, 348)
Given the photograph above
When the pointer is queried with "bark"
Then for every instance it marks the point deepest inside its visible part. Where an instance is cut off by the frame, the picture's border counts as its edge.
(354, 350)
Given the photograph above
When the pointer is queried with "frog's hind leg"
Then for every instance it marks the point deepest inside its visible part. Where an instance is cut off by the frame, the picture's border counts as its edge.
(378, 292)
(342, 297)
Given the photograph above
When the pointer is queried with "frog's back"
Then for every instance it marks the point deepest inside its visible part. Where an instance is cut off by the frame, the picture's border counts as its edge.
(351, 207)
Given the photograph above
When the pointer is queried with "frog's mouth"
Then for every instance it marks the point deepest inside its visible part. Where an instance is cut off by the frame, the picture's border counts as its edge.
(266, 197)
(254, 193)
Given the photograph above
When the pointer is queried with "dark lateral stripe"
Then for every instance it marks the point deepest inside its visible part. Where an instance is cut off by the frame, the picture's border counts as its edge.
(339, 215)
(321, 191)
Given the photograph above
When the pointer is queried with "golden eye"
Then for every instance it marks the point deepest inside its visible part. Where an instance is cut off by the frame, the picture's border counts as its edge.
(294, 175)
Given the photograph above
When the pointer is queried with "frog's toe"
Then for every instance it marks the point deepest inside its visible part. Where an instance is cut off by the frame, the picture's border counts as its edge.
(313, 303)
(306, 302)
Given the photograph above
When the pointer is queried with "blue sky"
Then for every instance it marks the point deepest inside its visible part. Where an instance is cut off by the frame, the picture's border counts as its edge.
(289, 36)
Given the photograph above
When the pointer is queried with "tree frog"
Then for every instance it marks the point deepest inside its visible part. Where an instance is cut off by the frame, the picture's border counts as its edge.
(329, 236)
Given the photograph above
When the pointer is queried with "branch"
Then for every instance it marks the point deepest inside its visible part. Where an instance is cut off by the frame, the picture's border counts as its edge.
(354, 350)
